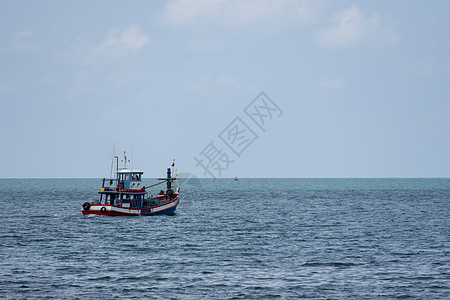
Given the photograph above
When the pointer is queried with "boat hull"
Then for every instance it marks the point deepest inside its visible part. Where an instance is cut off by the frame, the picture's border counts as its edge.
(167, 208)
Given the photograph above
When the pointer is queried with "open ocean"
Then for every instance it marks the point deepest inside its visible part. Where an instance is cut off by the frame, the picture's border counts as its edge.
(250, 239)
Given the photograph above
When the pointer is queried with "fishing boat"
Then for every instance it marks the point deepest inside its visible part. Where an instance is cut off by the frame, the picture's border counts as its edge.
(125, 195)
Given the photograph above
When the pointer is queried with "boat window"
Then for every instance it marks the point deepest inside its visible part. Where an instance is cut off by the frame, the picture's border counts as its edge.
(127, 177)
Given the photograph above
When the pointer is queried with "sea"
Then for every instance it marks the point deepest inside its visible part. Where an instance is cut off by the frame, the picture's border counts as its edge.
(244, 239)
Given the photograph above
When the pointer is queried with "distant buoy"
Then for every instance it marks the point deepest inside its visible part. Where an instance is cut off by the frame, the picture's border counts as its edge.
(235, 178)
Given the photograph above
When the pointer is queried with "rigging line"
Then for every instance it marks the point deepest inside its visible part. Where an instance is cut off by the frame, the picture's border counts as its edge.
(154, 184)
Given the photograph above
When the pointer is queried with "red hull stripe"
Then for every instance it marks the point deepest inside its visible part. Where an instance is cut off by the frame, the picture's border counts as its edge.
(112, 210)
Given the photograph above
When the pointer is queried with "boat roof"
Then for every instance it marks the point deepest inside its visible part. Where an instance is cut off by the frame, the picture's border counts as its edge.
(122, 171)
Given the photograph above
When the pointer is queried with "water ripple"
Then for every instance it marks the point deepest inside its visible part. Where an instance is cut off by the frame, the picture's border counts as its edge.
(255, 239)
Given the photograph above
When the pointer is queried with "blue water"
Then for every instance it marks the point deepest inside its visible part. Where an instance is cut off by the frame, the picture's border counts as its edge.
(250, 239)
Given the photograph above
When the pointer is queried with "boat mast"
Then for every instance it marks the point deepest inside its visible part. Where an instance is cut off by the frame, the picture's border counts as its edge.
(112, 162)
(117, 167)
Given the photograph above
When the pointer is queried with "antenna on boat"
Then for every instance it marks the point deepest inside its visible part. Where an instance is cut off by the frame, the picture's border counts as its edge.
(112, 161)
(125, 158)
(117, 167)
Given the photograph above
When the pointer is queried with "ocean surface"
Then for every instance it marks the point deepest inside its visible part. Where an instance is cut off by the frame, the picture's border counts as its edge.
(245, 239)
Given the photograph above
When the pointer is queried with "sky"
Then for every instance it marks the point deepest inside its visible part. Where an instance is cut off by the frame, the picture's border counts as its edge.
(227, 88)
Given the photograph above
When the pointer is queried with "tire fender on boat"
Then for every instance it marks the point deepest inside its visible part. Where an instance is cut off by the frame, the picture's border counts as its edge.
(103, 210)
(86, 205)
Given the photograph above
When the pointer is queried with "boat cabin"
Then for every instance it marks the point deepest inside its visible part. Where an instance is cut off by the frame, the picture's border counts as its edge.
(130, 179)
(126, 190)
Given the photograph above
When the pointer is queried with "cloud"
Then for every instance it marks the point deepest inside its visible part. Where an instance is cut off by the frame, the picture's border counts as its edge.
(332, 83)
(237, 14)
(350, 27)
(105, 62)
(129, 40)
(23, 43)
(116, 45)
